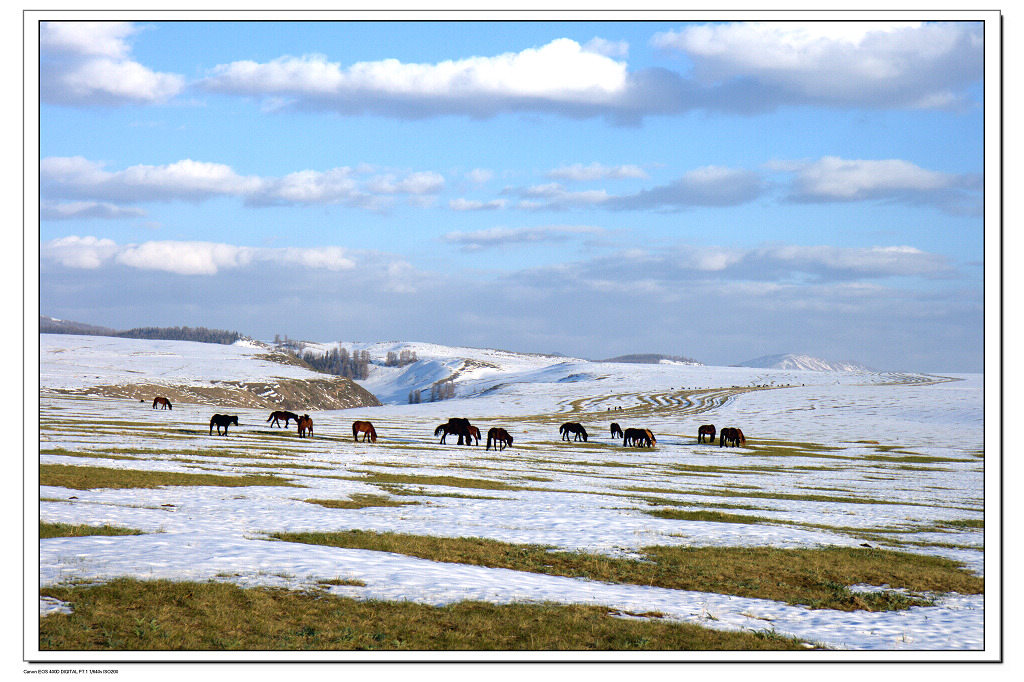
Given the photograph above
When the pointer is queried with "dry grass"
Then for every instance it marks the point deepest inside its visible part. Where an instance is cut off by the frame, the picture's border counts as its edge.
(87, 478)
(65, 530)
(131, 615)
(818, 578)
(360, 501)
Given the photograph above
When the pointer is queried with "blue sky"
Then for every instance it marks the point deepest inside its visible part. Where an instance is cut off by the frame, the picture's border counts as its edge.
(719, 190)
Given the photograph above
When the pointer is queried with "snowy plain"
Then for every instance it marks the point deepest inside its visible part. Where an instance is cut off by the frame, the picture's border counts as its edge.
(887, 455)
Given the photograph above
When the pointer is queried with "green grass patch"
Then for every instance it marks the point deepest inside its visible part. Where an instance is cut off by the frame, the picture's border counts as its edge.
(88, 478)
(360, 501)
(795, 576)
(132, 615)
(66, 530)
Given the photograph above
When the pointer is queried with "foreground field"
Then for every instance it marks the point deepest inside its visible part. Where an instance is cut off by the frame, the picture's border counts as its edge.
(852, 519)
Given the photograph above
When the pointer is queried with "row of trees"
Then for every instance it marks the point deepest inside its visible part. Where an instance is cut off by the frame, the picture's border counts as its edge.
(439, 390)
(201, 334)
(337, 361)
(406, 357)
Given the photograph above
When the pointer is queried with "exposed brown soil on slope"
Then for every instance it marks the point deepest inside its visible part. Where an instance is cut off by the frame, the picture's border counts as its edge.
(329, 393)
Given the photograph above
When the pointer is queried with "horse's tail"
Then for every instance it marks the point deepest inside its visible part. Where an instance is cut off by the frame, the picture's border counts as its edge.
(270, 417)
(355, 430)
(438, 430)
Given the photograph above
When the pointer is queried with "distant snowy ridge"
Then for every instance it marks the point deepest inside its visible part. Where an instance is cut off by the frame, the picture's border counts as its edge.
(803, 362)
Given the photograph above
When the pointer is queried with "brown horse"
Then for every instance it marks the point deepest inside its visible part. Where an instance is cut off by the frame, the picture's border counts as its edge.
(575, 428)
(498, 436)
(281, 414)
(731, 435)
(305, 424)
(475, 433)
(706, 430)
(224, 420)
(163, 402)
(616, 430)
(365, 428)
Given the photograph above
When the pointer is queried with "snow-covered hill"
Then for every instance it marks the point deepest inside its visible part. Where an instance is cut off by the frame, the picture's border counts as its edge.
(803, 362)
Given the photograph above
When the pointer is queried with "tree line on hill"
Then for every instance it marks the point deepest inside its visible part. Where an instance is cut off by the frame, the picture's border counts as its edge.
(49, 325)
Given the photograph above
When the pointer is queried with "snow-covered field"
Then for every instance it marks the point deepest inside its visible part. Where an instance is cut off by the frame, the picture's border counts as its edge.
(924, 468)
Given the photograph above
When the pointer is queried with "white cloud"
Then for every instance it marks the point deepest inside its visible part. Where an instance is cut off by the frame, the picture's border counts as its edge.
(835, 179)
(79, 252)
(877, 64)
(596, 171)
(190, 257)
(561, 72)
(479, 176)
(608, 48)
(461, 204)
(49, 210)
(501, 237)
(89, 63)
(705, 186)
(189, 180)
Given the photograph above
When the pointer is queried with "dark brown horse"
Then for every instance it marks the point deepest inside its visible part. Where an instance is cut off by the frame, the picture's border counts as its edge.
(730, 435)
(163, 402)
(281, 414)
(499, 437)
(639, 438)
(574, 428)
(224, 420)
(706, 430)
(365, 428)
(305, 425)
(460, 427)
(616, 430)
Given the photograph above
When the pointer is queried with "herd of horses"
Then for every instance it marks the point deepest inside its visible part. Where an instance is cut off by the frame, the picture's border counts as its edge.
(468, 434)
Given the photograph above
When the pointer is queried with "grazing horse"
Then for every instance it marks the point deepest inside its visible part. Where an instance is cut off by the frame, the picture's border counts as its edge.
(305, 424)
(731, 435)
(460, 427)
(281, 414)
(220, 420)
(365, 428)
(616, 430)
(574, 428)
(163, 402)
(706, 430)
(499, 437)
(640, 438)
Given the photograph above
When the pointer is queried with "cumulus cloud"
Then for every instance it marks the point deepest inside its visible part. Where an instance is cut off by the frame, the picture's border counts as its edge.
(860, 64)
(190, 257)
(89, 63)
(189, 180)
(561, 73)
(833, 179)
(479, 176)
(502, 237)
(596, 171)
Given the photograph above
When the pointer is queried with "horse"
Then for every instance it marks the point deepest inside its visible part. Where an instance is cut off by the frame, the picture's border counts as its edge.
(499, 437)
(220, 420)
(461, 428)
(638, 438)
(706, 430)
(305, 424)
(281, 414)
(163, 402)
(365, 428)
(574, 428)
(616, 430)
(731, 435)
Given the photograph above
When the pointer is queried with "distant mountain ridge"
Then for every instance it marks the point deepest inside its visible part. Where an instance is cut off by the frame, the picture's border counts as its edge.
(803, 362)
(52, 325)
(652, 359)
